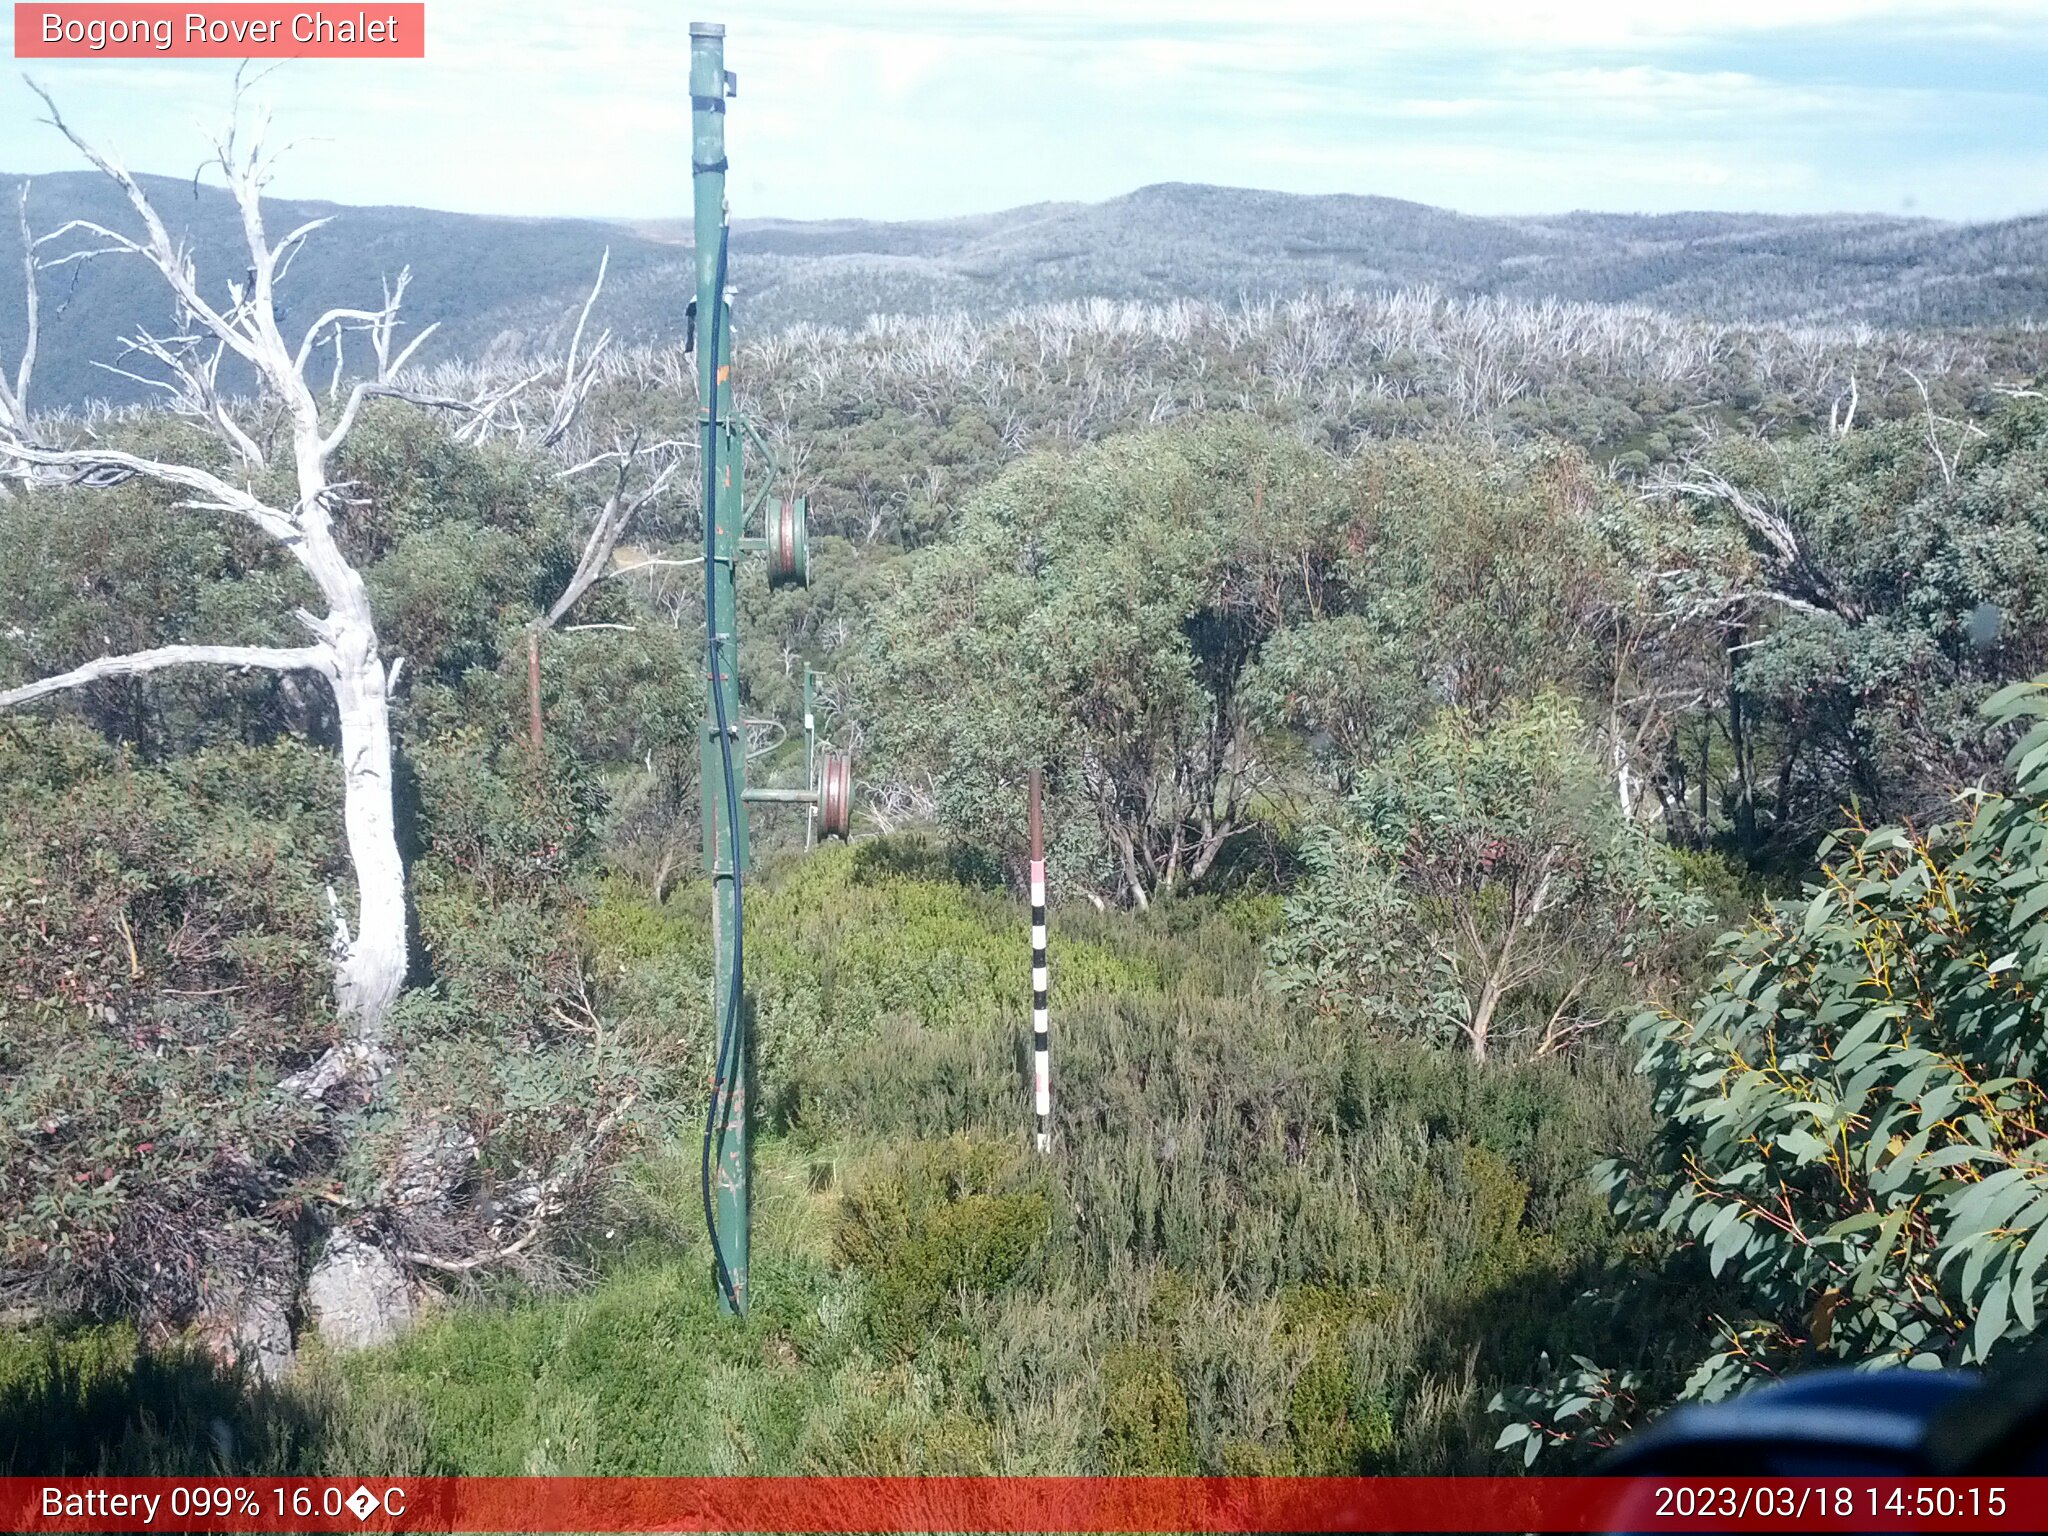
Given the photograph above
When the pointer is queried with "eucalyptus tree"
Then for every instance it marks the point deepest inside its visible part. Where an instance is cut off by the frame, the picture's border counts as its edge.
(271, 468)
(1874, 586)
(1483, 887)
(1850, 1118)
(277, 455)
(1102, 612)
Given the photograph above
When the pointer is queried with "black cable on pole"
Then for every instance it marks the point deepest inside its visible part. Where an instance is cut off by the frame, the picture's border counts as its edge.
(714, 329)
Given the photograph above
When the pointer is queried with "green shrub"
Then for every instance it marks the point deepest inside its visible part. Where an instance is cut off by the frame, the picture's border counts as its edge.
(623, 928)
(912, 856)
(1336, 1422)
(1485, 891)
(881, 996)
(167, 964)
(934, 1221)
(1850, 1118)
(894, 1422)
(1144, 1415)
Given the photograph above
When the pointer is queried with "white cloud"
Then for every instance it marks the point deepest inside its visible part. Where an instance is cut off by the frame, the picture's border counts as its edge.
(925, 107)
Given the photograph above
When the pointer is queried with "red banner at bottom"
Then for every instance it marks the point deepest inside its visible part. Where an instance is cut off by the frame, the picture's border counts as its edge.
(1016, 1504)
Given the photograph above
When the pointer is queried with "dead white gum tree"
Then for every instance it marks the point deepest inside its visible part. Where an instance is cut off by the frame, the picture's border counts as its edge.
(342, 647)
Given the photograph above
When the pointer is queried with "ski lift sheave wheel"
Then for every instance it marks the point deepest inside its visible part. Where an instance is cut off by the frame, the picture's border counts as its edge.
(835, 795)
(789, 555)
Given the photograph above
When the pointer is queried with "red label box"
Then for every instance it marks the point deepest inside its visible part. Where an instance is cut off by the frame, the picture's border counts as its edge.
(1023, 1504)
(246, 31)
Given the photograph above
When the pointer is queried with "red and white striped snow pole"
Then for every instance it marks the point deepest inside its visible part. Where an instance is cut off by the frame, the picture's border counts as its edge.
(1041, 1038)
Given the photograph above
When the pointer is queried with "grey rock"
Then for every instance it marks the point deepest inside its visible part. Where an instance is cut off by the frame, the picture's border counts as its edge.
(436, 1158)
(354, 1066)
(358, 1296)
(261, 1337)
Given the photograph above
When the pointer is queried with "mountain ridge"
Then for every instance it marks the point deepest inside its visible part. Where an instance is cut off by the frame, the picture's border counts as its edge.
(516, 281)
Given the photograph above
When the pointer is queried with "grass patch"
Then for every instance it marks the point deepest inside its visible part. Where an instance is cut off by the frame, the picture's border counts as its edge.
(1259, 1244)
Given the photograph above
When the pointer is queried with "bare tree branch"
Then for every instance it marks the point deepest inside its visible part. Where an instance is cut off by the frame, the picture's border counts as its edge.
(194, 386)
(576, 383)
(308, 658)
(652, 563)
(1840, 422)
(370, 963)
(103, 467)
(550, 1199)
(583, 319)
(478, 411)
(1784, 548)
(1944, 461)
(169, 258)
(613, 519)
(332, 317)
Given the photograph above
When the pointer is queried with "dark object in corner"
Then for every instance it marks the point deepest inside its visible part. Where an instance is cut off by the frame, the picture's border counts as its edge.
(1850, 1423)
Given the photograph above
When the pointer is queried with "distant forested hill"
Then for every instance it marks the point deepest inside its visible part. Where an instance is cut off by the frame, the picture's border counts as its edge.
(465, 269)
(517, 282)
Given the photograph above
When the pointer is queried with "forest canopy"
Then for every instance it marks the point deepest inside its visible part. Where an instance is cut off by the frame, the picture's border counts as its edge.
(1422, 685)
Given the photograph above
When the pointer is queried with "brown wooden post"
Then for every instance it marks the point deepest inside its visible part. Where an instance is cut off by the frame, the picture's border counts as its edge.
(533, 726)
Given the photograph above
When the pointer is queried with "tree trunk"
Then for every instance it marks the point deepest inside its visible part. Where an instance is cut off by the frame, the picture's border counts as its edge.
(1482, 1015)
(1706, 776)
(370, 964)
(1788, 765)
(1738, 738)
(1500, 975)
(1480, 1021)
(1127, 855)
(1673, 787)
(1554, 1035)
(1210, 846)
(370, 969)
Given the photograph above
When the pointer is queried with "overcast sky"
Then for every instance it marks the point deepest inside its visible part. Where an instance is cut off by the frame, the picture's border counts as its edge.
(933, 107)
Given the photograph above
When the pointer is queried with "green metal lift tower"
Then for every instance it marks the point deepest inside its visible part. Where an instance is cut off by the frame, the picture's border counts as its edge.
(721, 437)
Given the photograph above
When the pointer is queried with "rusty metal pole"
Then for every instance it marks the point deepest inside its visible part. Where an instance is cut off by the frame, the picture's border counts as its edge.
(1041, 1034)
